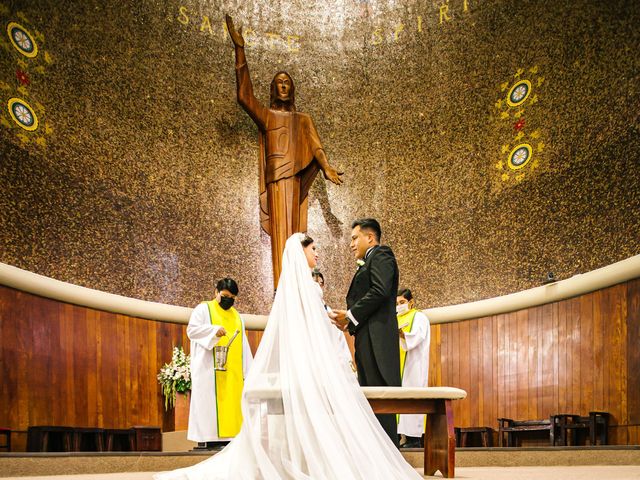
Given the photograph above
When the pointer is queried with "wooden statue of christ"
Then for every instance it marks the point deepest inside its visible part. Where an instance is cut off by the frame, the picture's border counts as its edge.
(290, 154)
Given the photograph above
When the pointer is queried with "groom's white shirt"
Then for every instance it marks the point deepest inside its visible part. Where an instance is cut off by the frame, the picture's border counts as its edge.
(349, 314)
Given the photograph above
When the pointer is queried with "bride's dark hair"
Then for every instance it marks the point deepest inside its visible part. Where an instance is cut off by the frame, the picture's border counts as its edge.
(306, 241)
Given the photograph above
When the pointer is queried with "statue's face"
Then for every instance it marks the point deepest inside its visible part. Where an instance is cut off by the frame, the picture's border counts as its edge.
(283, 87)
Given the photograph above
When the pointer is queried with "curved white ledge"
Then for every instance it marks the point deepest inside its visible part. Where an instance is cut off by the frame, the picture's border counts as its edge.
(87, 297)
(580, 284)
(577, 285)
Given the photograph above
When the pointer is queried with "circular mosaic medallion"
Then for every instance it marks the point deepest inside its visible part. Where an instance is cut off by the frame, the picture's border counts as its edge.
(23, 114)
(22, 40)
(519, 93)
(520, 156)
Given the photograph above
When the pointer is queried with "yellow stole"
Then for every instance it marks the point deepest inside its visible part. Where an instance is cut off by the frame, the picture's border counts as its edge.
(402, 319)
(229, 384)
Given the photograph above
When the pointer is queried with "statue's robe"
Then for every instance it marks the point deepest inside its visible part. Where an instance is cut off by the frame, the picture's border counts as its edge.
(288, 144)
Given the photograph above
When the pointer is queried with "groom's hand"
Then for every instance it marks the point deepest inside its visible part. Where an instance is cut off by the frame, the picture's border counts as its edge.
(340, 319)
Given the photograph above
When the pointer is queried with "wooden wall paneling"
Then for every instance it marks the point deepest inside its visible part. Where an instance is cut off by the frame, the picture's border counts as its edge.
(455, 353)
(118, 407)
(39, 356)
(128, 387)
(253, 339)
(444, 367)
(6, 395)
(442, 360)
(90, 324)
(501, 360)
(586, 353)
(633, 359)
(495, 369)
(598, 354)
(574, 353)
(16, 361)
(464, 361)
(563, 363)
(154, 417)
(39, 352)
(110, 368)
(486, 413)
(510, 365)
(619, 364)
(435, 353)
(71, 365)
(556, 358)
(163, 355)
(615, 357)
(522, 353)
(504, 360)
(547, 362)
(137, 407)
(65, 365)
(540, 362)
(134, 385)
(534, 356)
(479, 371)
(82, 351)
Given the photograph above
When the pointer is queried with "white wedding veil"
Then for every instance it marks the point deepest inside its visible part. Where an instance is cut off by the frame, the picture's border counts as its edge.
(304, 415)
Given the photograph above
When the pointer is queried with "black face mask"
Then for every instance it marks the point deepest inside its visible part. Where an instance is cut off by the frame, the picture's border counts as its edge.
(226, 302)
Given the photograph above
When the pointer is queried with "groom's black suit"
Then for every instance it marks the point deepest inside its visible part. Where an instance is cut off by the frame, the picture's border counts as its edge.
(372, 302)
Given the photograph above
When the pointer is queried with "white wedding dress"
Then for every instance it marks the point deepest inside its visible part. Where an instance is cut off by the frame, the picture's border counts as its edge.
(305, 416)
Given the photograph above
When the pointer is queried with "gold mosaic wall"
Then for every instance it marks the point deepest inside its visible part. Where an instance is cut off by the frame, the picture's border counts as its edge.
(494, 140)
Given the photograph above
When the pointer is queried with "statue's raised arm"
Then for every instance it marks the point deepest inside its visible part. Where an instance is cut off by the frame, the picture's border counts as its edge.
(236, 35)
(246, 98)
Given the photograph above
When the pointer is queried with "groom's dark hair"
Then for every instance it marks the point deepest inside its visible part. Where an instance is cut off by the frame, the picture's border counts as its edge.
(370, 224)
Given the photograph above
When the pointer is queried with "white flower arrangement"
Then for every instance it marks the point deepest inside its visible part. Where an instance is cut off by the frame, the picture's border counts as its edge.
(175, 376)
(360, 262)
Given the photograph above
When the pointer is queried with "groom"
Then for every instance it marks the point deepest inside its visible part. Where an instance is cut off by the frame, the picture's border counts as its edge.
(371, 314)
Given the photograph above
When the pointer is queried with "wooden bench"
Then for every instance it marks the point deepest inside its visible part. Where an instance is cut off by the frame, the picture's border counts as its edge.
(596, 424)
(440, 441)
(514, 428)
(485, 435)
(6, 433)
(49, 438)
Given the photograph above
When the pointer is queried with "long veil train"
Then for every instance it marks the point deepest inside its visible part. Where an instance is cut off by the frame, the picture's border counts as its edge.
(305, 416)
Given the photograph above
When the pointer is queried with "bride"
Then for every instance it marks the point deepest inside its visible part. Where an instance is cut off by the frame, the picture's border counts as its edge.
(305, 416)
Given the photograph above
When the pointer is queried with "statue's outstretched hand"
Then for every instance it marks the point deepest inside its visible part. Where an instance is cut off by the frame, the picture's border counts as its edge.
(236, 35)
(333, 175)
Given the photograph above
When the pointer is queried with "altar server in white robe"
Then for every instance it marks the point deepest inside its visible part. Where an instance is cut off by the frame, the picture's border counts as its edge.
(215, 413)
(415, 336)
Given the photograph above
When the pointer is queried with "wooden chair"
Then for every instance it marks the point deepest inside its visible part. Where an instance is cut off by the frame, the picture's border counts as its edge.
(513, 429)
(120, 440)
(88, 439)
(49, 439)
(465, 436)
(6, 432)
(148, 439)
(596, 424)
